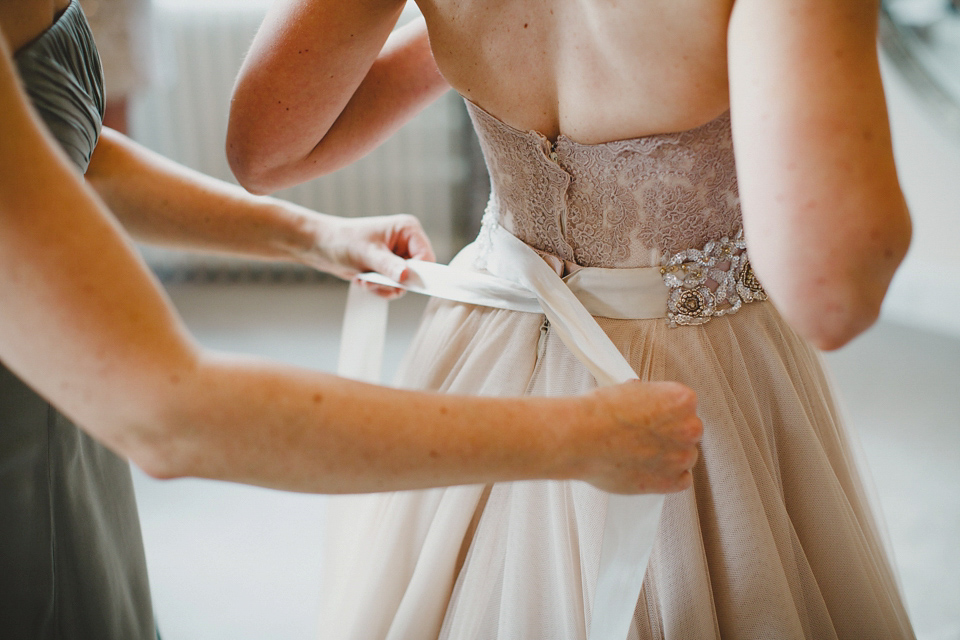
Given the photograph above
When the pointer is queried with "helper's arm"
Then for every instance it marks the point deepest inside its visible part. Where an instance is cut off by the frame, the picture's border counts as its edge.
(320, 89)
(85, 324)
(824, 216)
(161, 202)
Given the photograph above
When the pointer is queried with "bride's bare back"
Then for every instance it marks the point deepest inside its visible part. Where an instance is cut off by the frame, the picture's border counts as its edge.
(595, 71)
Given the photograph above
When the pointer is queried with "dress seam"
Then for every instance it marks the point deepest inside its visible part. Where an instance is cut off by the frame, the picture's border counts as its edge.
(54, 574)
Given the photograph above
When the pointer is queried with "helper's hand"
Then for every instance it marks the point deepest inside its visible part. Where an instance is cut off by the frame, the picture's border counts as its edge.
(641, 437)
(346, 247)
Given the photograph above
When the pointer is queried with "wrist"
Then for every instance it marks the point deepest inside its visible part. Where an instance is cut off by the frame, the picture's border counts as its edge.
(561, 423)
(306, 237)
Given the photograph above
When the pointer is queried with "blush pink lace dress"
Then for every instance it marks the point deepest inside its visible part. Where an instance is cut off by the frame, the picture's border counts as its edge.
(775, 539)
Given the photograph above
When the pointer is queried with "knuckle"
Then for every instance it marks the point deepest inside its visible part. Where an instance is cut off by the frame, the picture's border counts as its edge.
(688, 398)
(686, 458)
(670, 486)
(680, 395)
(410, 220)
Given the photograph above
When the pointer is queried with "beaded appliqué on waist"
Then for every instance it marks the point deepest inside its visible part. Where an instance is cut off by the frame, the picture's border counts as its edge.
(711, 282)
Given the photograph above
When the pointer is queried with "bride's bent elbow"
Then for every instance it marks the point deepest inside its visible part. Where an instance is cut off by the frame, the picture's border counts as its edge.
(249, 170)
(834, 313)
(251, 161)
(837, 331)
(832, 296)
(829, 311)
(259, 176)
(262, 169)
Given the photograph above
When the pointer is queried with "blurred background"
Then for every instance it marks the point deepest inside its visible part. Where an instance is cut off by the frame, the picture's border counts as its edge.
(237, 562)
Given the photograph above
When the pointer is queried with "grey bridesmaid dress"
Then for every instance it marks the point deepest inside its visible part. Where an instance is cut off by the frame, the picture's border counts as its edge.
(71, 554)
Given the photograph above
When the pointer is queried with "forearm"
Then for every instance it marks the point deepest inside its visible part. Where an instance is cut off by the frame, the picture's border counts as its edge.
(281, 427)
(275, 426)
(161, 202)
(320, 89)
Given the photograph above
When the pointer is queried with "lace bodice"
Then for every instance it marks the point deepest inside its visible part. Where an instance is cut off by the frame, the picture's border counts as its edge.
(627, 203)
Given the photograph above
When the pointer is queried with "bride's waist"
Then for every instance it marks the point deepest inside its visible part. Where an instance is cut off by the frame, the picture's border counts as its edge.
(601, 241)
(688, 287)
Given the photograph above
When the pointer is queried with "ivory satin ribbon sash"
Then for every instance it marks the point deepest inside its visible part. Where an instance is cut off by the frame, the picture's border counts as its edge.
(517, 278)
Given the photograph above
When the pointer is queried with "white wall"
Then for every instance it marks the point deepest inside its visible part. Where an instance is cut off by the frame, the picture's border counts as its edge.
(926, 291)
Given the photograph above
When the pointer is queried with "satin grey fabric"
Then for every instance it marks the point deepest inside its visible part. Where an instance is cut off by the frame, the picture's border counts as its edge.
(62, 75)
(71, 554)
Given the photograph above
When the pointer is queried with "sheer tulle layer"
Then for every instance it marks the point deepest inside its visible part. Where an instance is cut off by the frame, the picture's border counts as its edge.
(775, 540)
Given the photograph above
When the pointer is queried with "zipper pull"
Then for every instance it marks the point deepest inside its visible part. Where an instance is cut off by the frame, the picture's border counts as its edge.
(541, 341)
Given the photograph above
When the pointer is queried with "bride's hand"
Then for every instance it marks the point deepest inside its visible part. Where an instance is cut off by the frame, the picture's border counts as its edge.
(641, 437)
(346, 247)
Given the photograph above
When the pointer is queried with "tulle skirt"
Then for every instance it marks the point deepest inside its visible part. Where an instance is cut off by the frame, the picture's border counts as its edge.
(775, 539)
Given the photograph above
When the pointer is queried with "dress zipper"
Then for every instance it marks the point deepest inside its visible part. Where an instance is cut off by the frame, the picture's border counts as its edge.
(555, 159)
(541, 347)
(542, 340)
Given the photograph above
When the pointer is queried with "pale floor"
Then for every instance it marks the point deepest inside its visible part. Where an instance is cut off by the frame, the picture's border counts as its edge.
(231, 562)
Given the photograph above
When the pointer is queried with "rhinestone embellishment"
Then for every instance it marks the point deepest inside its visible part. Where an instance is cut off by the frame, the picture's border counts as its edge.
(711, 282)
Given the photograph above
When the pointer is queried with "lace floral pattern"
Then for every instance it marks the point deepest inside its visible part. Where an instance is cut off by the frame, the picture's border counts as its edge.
(627, 203)
(523, 180)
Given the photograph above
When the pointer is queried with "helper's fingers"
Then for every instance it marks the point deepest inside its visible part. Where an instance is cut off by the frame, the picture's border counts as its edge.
(381, 290)
(380, 259)
(410, 240)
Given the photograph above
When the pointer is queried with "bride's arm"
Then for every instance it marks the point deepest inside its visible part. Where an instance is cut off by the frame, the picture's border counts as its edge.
(84, 324)
(323, 84)
(823, 213)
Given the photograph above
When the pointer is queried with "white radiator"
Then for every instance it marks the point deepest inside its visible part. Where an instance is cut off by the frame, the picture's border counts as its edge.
(421, 170)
